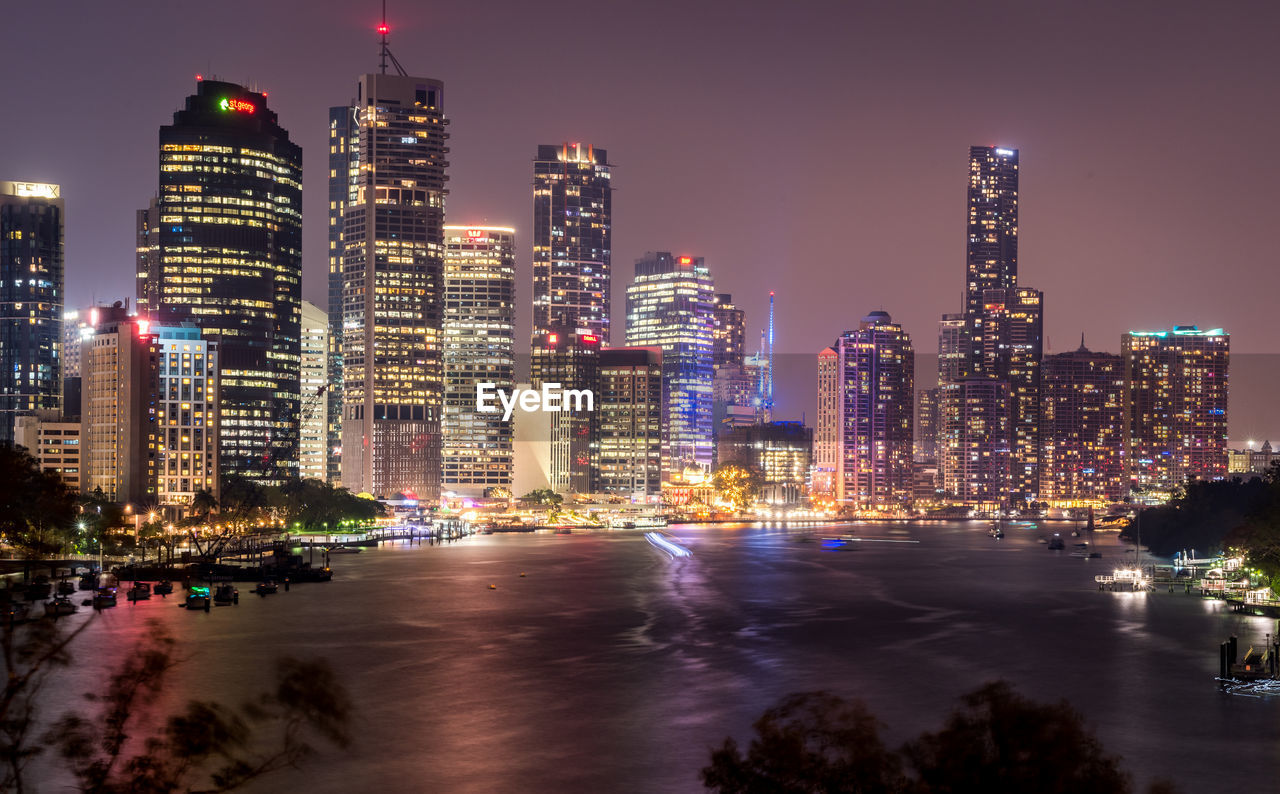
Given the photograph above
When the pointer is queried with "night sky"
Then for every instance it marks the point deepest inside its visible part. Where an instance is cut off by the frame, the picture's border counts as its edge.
(814, 148)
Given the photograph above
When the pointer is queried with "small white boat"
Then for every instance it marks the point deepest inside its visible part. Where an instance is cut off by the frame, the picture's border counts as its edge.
(340, 549)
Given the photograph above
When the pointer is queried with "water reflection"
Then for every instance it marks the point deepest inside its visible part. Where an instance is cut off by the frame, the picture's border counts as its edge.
(611, 666)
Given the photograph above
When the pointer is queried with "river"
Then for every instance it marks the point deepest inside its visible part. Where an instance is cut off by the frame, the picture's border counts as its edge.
(610, 666)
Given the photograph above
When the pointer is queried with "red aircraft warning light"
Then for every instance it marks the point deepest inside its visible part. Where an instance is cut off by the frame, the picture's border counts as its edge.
(384, 29)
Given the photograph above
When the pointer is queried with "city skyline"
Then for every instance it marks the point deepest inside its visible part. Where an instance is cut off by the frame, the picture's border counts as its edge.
(490, 166)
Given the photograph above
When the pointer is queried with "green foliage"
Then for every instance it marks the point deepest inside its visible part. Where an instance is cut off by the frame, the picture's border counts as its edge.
(1200, 517)
(542, 496)
(998, 741)
(315, 505)
(37, 511)
(1258, 534)
(737, 484)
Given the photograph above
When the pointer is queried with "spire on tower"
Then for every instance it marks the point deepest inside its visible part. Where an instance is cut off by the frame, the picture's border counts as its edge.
(383, 30)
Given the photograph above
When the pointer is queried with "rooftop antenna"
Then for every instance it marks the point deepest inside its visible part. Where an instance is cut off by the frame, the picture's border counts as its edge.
(383, 30)
(769, 394)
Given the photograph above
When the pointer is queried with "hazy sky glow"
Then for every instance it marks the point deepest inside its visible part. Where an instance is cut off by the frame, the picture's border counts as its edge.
(813, 148)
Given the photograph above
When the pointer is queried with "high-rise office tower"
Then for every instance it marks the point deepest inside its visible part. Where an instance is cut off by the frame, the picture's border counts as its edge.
(572, 217)
(628, 447)
(1012, 346)
(226, 254)
(344, 177)
(669, 305)
(119, 433)
(479, 345)
(74, 323)
(1175, 406)
(826, 432)
(31, 294)
(997, 339)
(730, 333)
(387, 191)
(1082, 428)
(991, 250)
(570, 358)
(149, 422)
(313, 423)
(186, 416)
(928, 419)
(875, 368)
(953, 348)
(974, 453)
(147, 232)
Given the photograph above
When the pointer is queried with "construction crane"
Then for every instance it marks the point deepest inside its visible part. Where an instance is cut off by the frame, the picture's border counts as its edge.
(305, 413)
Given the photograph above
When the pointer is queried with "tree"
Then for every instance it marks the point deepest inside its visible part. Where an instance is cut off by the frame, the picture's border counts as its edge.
(543, 496)
(737, 484)
(206, 746)
(37, 510)
(1000, 741)
(1199, 517)
(811, 741)
(997, 741)
(203, 503)
(31, 653)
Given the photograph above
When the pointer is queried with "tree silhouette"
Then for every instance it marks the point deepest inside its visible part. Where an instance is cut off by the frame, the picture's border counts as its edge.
(997, 742)
(206, 746)
(811, 741)
(1000, 741)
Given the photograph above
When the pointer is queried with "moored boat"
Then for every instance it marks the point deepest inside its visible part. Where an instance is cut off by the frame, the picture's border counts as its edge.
(226, 595)
(59, 606)
(198, 598)
(104, 598)
(141, 591)
(267, 588)
(163, 588)
(341, 549)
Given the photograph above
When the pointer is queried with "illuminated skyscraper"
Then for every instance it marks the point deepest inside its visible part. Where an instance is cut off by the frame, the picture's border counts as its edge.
(953, 348)
(992, 227)
(1175, 406)
(226, 254)
(572, 217)
(186, 416)
(875, 367)
(119, 434)
(389, 188)
(479, 343)
(1012, 346)
(628, 447)
(730, 333)
(313, 433)
(928, 420)
(670, 306)
(570, 358)
(826, 433)
(31, 272)
(974, 452)
(1082, 428)
(344, 179)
